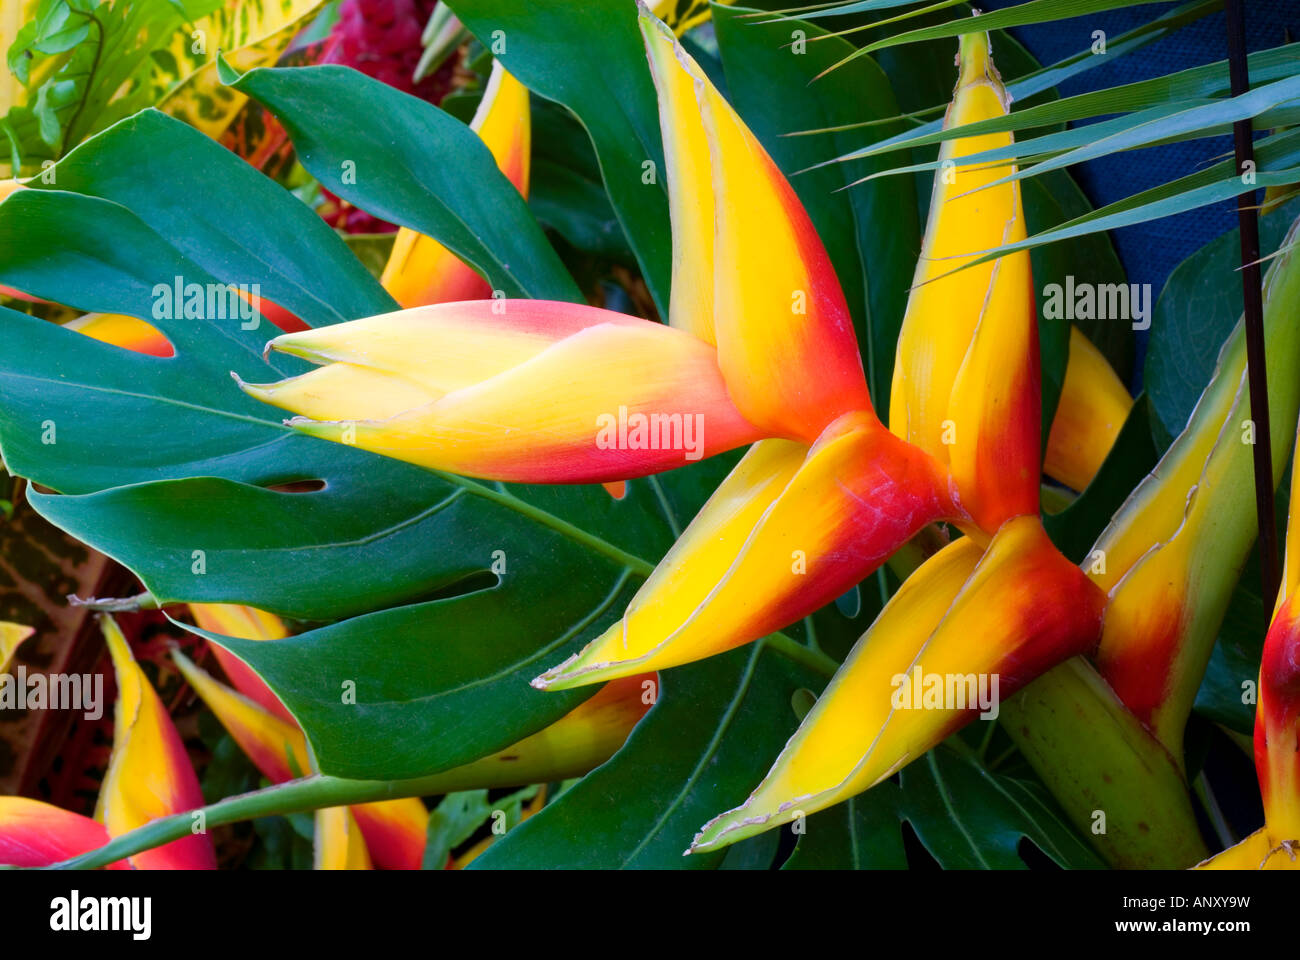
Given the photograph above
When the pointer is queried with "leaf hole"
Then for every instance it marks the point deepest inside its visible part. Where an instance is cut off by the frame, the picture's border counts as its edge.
(312, 485)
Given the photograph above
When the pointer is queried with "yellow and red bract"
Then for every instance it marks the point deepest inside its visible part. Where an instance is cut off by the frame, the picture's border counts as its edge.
(420, 270)
(37, 834)
(1163, 556)
(516, 390)
(966, 374)
(787, 532)
(149, 775)
(967, 617)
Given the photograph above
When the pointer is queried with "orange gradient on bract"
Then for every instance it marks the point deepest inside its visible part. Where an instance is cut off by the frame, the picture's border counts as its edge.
(277, 747)
(129, 333)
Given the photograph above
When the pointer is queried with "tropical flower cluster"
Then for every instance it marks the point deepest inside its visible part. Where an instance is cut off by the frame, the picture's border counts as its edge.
(1097, 654)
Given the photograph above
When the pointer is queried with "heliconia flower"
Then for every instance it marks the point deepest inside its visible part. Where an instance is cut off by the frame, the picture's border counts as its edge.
(750, 274)
(1276, 845)
(1167, 600)
(789, 530)
(338, 842)
(471, 388)
(994, 619)
(37, 834)
(966, 375)
(422, 271)
(394, 830)
(759, 346)
(793, 526)
(1089, 414)
(149, 774)
(11, 637)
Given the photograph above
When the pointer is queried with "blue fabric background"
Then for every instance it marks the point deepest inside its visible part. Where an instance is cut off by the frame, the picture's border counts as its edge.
(1151, 250)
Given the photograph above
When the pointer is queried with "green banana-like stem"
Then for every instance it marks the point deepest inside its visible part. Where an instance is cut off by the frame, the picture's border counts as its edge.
(1116, 782)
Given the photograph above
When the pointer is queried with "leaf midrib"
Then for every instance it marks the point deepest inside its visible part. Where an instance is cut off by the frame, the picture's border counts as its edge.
(943, 791)
(723, 725)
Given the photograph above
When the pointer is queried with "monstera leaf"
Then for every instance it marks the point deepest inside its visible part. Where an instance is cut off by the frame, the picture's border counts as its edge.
(165, 465)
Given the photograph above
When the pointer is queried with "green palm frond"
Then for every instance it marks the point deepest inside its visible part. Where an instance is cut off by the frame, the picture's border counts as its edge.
(1190, 104)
